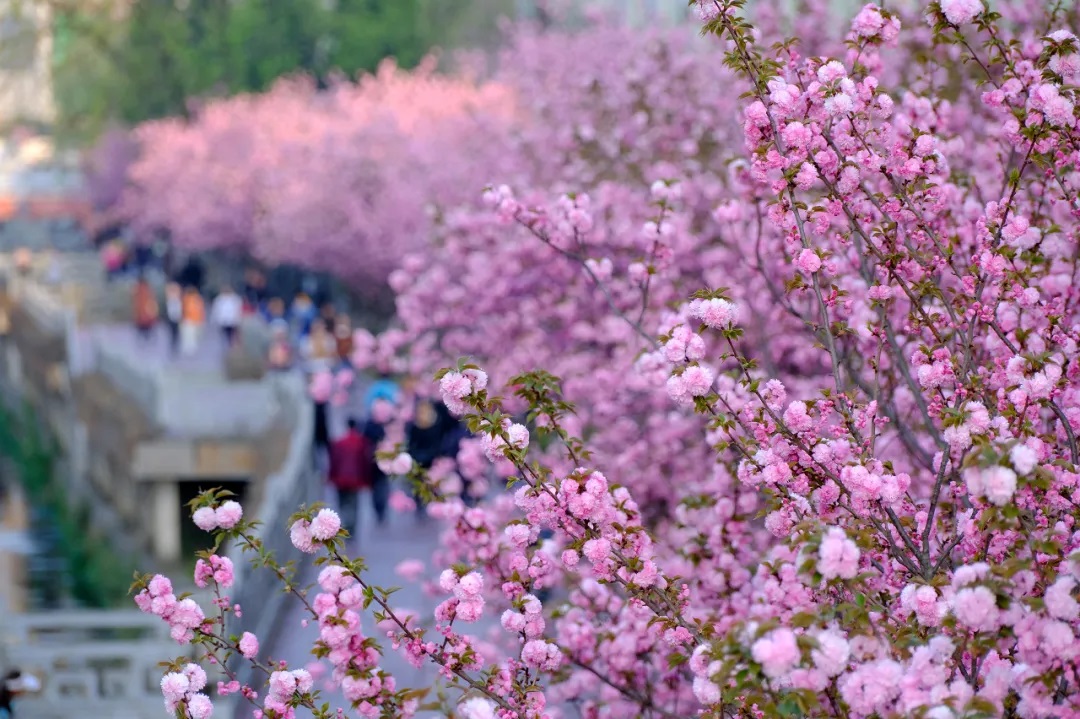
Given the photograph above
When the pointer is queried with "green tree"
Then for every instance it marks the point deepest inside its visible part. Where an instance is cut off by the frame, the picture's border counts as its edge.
(157, 61)
(364, 32)
(162, 53)
(269, 38)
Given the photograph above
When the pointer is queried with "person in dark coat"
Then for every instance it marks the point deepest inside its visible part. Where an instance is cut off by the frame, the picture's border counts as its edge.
(453, 431)
(350, 472)
(424, 434)
(375, 432)
(15, 683)
(321, 440)
(192, 274)
(424, 439)
(143, 256)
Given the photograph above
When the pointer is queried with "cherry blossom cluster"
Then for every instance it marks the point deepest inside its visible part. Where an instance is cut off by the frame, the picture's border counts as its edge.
(184, 616)
(183, 693)
(791, 402)
(225, 516)
(215, 569)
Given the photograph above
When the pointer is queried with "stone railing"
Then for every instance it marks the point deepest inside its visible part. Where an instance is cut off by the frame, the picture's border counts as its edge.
(171, 397)
(256, 589)
(46, 310)
(91, 663)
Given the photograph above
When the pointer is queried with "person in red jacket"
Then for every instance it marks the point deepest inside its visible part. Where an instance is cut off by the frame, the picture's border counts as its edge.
(351, 462)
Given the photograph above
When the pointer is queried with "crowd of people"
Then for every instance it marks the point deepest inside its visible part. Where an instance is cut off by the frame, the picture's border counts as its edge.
(314, 338)
(303, 334)
(431, 433)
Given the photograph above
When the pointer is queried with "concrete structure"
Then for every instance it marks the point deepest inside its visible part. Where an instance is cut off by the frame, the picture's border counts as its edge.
(137, 434)
(92, 664)
(135, 426)
(26, 61)
(14, 546)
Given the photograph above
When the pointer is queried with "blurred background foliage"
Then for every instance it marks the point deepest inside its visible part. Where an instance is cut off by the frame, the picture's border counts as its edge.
(143, 59)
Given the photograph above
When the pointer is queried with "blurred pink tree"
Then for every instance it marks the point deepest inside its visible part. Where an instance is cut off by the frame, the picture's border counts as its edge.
(342, 180)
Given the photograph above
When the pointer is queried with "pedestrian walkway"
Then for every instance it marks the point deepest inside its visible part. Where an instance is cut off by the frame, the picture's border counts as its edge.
(156, 352)
(382, 548)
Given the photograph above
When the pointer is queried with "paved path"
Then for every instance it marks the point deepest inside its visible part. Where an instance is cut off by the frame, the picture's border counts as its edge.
(156, 351)
(382, 549)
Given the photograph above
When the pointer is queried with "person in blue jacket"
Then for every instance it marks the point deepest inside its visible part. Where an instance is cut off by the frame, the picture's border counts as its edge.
(384, 388)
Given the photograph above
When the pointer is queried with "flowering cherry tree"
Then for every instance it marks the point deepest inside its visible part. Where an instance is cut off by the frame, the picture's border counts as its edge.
(337, 180)
(843, 366)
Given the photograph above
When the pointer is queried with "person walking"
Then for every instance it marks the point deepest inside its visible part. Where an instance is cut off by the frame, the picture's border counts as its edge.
(343, 340)
(15, 683)
(424, 439)
(24, 261)
(192, 274)
(351, 461)
(319, 349)
(275, 311)
(226, 313)
(280, 353)
(113, 257)
(254, 288)
(174, 314)
(302, 314)
(453, 432)
(142, 255)
(375, 431)
(329, 315)
(321, 389)
(193, 317)
(384, 388)
(144, 309)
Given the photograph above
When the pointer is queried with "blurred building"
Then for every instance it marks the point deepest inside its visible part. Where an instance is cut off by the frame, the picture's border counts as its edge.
(25, 62)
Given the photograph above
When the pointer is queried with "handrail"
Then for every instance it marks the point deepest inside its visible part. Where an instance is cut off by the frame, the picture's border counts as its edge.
(91, 663)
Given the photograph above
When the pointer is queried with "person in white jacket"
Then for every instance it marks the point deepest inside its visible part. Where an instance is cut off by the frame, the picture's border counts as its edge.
(226, 313)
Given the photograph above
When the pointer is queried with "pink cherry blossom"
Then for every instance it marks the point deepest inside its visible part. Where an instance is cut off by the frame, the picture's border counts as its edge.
(838, 556)
(205, 518)
(777, 652)
(999, 485)
(976, 608)
(325, 525)
(228, 514)
(477, 708)
(301, 536)
(199, 706)
(409, 569)
(249, 645)
(808, 261)
(174, 686)
(959, 12)
(1060, 602)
